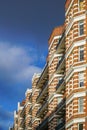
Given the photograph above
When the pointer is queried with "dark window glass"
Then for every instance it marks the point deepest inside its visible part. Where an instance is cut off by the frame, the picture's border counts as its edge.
(81, 55)
(80, 126)
(81, 29)
(81, 83)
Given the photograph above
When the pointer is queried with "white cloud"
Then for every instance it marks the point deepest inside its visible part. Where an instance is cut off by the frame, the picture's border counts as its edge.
(28, 72)
(17, 62)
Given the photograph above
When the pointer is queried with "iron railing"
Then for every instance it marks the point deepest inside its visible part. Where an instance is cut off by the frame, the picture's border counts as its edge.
(42, 90)
(63, 57)
(59, 83)
(60, 125)
(43, 105)
(42, 124)
(59, 42)
(61, 104)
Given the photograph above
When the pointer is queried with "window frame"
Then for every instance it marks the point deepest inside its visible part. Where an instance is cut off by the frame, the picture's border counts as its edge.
(81, 79)
(79, 125)
(80, 105)
(81, 48)
(80, 25)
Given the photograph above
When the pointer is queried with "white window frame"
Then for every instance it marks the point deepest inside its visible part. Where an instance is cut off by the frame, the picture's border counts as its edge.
(60, 99)
(80, 105)
(81, 48)
(79, 124)
(81, 78)
(80, 23)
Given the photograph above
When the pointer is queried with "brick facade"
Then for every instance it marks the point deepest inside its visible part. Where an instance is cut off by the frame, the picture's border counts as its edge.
(58, 99)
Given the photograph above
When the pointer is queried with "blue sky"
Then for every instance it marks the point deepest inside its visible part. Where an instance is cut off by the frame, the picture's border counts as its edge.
(25, 27)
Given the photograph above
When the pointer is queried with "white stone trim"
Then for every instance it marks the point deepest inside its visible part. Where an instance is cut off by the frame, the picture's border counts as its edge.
(15, 114)
(35, 119)
(75, 44)
(53, 76)
(75, 69)
(55, 37)
(28, 91)
(28, 103)
(36, 90)
(75, 95)
(53, 56)
(28, 116)
(20, 107)
(74, 121)
(35, 76)
(35, 105)
(53, 96)
(74, 19)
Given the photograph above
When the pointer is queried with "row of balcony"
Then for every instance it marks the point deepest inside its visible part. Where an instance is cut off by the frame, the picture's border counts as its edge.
(60, 82)
(43, 106)
(57, 68)
(61, 124)
(41, 92)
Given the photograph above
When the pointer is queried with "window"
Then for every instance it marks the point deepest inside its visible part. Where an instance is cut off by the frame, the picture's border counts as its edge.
(81, 27)
(80, 127)
(59, 99)
(81, 53)
(60, 57)
(81, 4)
(81, 79)
(80, 104)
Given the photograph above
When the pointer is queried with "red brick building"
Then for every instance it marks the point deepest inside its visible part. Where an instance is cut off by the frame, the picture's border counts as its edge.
(58, 99)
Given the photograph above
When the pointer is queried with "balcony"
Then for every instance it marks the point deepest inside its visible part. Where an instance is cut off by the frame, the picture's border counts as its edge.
(60, 82)
(30, 110)
(43, 75)
(60, 125)
(61, 46)
(43, 107)
(43, 125)
(22, 124)
(61, 65)
(60, 106)
(42, 91)
(30, 97)
(60, 86)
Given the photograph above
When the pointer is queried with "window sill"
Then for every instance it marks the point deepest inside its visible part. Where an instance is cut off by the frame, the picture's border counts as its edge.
(79, 62)
(81, 87)
(81, 112)
(80, 11)
(79, 36)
